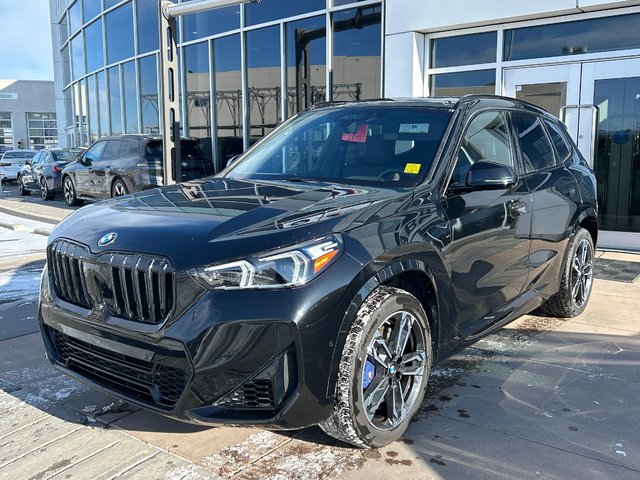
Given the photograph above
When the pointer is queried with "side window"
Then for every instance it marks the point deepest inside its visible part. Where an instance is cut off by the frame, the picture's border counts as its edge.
(37, 159)
(537, 152)
(93, 154)
(46, 158)
(559, 140)
(125, 148)
(486, 138)
(111, 150)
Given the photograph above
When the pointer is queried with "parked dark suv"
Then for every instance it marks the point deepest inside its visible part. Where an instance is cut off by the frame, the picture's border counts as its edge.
(319, 277)
(116, 166)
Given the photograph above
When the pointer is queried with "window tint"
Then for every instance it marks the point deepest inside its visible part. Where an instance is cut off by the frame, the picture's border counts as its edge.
(537, 152)
(93, 154)
(37, 159)
(559, 140)
(464, 50)
(486, 138)
(125, 148)
(112, 149)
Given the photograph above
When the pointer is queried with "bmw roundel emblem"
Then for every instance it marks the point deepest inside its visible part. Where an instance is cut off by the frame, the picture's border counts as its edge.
(108, 239)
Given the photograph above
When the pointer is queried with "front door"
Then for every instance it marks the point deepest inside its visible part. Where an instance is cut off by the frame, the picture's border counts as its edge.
(600, 104)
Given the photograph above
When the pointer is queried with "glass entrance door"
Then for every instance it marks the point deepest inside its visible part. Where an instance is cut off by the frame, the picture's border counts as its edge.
(614, 87)
(552, 88)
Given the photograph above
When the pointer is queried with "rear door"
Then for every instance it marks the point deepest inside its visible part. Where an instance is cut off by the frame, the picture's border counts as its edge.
(554, 190)
(489, 228)
(29, 177)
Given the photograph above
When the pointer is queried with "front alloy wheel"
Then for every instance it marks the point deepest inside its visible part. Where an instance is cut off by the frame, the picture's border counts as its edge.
(383, 371)
(69, 192)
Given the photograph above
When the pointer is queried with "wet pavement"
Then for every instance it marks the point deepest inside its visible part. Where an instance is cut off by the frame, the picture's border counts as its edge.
(542, 398)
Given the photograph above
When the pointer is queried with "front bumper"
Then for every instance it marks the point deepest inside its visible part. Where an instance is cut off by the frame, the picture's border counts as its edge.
(251, 357)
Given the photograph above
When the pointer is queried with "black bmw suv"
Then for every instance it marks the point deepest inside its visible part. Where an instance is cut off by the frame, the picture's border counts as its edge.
(318, 278)
(122, 164)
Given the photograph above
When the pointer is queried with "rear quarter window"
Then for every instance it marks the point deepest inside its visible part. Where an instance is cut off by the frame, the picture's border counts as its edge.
(537, 152)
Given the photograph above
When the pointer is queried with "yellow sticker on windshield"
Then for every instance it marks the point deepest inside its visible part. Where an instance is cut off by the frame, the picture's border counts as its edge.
(413, 168)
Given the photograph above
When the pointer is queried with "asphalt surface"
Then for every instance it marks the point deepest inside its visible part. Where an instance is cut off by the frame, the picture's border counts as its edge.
(543, 398)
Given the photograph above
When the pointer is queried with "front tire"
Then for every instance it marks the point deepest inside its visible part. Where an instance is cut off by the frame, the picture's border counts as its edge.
(384, 370)
(69, 191)
(576, 282)
(119, 188)
(21, 188)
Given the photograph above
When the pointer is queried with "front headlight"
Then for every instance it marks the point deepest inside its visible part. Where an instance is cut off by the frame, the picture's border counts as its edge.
(290, 267)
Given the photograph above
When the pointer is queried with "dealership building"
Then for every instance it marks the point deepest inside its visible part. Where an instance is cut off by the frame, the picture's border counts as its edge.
(244, 69)
(27, 114)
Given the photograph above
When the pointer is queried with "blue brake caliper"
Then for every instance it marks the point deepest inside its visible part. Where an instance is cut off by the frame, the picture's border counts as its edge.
(368, 374)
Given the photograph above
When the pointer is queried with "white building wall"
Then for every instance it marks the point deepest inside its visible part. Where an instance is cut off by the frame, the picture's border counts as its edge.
(33, 96)
(407, 22)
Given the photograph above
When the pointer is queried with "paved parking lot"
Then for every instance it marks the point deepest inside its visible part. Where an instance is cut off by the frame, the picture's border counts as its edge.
(543, 398)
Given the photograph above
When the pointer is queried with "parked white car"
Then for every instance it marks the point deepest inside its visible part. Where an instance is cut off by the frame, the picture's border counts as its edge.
(13, 160)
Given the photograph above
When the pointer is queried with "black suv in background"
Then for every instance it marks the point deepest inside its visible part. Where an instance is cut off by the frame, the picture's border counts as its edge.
(118, 165)
(319, 277)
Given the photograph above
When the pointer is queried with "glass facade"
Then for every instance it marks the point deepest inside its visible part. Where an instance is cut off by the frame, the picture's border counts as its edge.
(111, 81)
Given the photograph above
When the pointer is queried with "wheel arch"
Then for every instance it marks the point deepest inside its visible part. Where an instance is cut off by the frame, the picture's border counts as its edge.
(410, 274)
(589, 221)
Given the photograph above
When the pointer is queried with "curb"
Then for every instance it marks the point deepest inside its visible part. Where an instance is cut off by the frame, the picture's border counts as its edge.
(42, 231)
(12, 226)
(29, 215)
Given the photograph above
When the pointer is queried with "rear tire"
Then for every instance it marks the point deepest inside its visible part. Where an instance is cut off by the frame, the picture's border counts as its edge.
(576, 282)
(384, 370)
(21, 188)
(69, 191)
(45, 193)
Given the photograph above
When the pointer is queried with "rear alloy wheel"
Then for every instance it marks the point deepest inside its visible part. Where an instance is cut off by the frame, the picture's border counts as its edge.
(119, 188)
(21, 188)
(577, 278)
(69, 192)
(383, 372)
(45, 192)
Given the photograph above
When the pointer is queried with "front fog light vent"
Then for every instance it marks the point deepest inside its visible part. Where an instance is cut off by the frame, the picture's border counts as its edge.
(253, 394)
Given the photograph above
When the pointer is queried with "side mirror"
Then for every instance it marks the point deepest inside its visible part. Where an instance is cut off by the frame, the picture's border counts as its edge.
(27, 161)
(485, 175)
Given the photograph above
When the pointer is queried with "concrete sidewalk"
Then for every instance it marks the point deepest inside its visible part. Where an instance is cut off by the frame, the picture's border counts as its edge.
(52, 213)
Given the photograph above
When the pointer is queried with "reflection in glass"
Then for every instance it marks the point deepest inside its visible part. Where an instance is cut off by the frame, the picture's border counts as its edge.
(93, 113)
(268, 10)
(75, 17)
(147, 18)
(110, 3)
(211, 22)
(91, 9)
(306, 63)
(80, 110)
(93, 42)
(228, 97)
(550, 96)
(66, 66)
(102, 104)
(573, 38)
(198, 96)
(617, 160)
(357, 54)
(464, 50)
(130, 98)
(77, 57)
(462, 83)
(114, 100)
(119, 30)
(149, 94)
(64, 30)
(263, 72)
(68, 109)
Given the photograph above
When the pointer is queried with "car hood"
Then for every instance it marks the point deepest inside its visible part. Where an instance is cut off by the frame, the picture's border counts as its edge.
(217, 219)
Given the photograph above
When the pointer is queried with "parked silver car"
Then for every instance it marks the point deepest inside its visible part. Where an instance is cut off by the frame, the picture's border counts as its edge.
(13, 160)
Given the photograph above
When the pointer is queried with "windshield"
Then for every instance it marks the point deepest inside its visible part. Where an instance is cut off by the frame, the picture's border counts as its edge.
(386, 146)
(21, 155)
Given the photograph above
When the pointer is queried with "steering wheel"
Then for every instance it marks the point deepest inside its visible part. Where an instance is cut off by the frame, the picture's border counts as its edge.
(396, 175)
